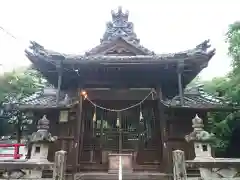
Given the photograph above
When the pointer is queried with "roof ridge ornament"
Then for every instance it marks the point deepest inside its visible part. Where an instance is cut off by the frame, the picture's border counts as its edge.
(119, 27)
(119, 15)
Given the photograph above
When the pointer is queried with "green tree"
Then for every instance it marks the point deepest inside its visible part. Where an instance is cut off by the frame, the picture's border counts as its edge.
(222, 124)
(233, 40)
(14, 86)
(217, 86)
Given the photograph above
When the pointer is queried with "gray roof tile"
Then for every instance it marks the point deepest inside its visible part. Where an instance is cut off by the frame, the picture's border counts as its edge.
(46, 98)
(193, 98)
(196, 97)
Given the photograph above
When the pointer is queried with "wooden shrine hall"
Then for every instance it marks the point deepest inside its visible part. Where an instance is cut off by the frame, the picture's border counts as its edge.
(120, 98)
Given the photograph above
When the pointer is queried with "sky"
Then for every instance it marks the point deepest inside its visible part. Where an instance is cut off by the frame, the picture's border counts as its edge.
(75, 26)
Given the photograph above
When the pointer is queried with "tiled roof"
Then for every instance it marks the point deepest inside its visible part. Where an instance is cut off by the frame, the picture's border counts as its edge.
(201, 50)
(193, 98)
(118, 28)
(46, 99)
(128, 40)
(196, 97)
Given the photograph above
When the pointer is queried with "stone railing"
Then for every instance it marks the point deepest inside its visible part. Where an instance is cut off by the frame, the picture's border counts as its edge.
(37, 149)
(26, 169)
(210, 168)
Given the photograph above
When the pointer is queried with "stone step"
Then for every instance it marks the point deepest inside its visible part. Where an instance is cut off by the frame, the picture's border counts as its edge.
(129, 176)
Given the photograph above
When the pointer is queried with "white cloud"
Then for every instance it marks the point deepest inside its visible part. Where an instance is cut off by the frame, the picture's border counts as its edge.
(73, 26)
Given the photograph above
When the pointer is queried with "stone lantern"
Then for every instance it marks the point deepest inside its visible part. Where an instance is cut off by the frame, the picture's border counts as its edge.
(201, 139)
(40, 140)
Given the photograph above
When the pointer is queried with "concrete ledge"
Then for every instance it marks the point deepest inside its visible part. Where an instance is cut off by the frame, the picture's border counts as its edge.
(12, 165)
(213, 163)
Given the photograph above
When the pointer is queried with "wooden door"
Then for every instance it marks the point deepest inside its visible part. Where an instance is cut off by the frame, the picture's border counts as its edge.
(141, 137)
(99, 136)
(149, 148)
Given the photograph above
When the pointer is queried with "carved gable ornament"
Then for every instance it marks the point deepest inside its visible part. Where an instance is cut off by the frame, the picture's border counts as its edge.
(121, 51)
(122, 48)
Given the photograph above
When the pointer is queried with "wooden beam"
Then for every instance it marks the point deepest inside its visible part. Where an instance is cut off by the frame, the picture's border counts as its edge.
(79, 128)
(180, 70)
(162, 121)
(118, 94)
(180, 88)
(59, 69)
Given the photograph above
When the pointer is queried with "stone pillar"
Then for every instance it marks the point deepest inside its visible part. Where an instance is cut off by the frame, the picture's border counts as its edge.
(60, 165)
(39, 142)
(179, 168)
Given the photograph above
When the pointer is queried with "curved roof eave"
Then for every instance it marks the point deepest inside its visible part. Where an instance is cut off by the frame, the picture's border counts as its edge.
(38, 52)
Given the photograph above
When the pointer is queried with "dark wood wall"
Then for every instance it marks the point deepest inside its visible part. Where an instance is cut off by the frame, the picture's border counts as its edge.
(177, 124)
(65, 131)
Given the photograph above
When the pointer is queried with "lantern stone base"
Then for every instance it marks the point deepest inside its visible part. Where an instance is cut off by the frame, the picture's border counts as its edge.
(120, 162)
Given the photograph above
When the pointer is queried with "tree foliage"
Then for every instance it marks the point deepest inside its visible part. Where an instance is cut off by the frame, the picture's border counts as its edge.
(228, 87)
(15, 86)
(233, 40)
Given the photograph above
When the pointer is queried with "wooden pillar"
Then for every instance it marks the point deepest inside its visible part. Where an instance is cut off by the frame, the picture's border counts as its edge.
(161, 109)
(180, 69)
(59, 69)
(79, 128)
(101, 133)
(93, 123)
(120, 132)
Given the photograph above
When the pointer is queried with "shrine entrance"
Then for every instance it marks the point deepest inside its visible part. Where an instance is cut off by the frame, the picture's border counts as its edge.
(133, 130)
